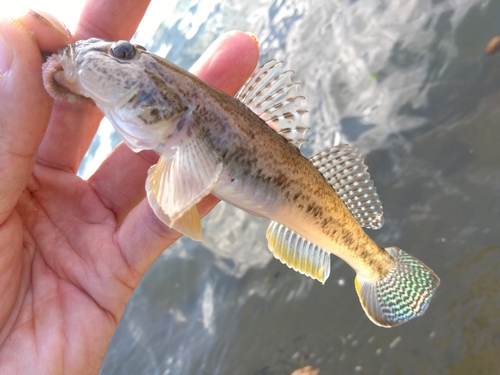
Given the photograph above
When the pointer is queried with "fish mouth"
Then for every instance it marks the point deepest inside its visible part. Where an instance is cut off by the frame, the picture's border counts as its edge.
(60, 76)
(66, 55)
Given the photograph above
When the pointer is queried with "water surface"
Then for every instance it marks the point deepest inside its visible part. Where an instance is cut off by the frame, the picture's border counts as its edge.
(409, 84)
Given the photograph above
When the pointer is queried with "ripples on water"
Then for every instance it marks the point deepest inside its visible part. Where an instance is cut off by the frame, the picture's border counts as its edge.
(407, 82)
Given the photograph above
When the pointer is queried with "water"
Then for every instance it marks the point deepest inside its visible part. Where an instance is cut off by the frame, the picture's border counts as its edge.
(408, 83)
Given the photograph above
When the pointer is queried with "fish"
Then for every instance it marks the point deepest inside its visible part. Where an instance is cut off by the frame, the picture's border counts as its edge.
(246, 151)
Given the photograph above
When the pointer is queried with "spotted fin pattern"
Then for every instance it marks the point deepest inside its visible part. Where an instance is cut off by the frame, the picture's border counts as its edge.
(343, 166)
(270, 93)
(298, 253)
(403, 294)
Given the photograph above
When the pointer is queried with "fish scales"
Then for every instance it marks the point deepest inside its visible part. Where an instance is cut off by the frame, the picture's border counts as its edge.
(209, 142)
(229, 127)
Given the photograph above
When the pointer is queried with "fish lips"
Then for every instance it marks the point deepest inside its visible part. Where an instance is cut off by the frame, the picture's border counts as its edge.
(67, 58)
(67, 76)
(72, 55)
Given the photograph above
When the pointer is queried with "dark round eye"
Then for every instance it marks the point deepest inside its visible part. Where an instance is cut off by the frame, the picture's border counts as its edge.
(123, 50)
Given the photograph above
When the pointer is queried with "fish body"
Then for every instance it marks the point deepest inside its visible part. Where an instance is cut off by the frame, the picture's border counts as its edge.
(245, 150)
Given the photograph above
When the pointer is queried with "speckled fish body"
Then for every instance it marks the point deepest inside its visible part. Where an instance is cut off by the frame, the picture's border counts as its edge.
(209, 142)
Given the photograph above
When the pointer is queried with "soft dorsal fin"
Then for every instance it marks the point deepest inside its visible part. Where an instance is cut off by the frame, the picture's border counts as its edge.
(297, 252)
(270, 93)
(343, 166)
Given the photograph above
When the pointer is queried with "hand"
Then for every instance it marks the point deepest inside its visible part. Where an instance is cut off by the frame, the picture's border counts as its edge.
(72, 251)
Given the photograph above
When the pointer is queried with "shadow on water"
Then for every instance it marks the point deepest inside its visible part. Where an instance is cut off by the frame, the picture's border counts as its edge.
(409, 84)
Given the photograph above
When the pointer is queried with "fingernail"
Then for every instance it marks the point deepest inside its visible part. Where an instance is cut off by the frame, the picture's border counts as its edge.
(51, 20)
(5, 56)
(253, 37)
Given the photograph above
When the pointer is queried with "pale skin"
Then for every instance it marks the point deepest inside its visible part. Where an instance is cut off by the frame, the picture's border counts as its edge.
(72, 251)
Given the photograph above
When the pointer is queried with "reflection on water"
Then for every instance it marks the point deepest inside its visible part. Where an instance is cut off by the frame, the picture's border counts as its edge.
(409, 84)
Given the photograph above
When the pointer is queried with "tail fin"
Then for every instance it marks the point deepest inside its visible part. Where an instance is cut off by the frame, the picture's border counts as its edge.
(403, 294)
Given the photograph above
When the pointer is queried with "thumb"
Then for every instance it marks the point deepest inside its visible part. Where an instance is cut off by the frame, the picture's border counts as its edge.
(24, 111)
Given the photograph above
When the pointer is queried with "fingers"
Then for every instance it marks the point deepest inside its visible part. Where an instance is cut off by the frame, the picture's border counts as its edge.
(142, 237)
(221, 64)
(49, 32)
(111, 19)
(73, 126)
(24, 112)
(120, 179)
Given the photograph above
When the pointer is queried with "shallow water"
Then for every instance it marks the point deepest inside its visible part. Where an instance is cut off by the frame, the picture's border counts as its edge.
(409, 84)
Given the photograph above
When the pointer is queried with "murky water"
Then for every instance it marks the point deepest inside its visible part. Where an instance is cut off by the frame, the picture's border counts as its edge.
(408, 83)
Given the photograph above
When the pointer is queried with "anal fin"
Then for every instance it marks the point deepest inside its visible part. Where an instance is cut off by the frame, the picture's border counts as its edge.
(298, 253)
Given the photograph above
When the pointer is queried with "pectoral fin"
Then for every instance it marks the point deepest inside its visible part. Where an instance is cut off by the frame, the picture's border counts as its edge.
(180, 179)
(189, 224)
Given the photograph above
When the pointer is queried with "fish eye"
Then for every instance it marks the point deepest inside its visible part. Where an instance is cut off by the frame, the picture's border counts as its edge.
(123, 50)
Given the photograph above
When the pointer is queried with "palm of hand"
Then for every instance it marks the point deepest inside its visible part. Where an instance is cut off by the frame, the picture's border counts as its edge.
(74, 280)
(72, 251)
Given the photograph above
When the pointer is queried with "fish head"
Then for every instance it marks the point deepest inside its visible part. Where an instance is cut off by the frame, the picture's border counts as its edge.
(104, 71)
(127, 84)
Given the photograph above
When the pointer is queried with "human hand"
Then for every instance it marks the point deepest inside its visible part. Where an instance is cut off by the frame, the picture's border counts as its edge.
(72, 251)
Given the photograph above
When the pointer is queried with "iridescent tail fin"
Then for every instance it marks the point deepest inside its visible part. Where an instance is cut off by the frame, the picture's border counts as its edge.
(403, 294)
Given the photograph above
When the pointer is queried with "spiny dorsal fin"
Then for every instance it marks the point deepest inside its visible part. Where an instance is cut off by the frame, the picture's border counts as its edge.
(270, 93)
(346, 172)
(298, 253)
